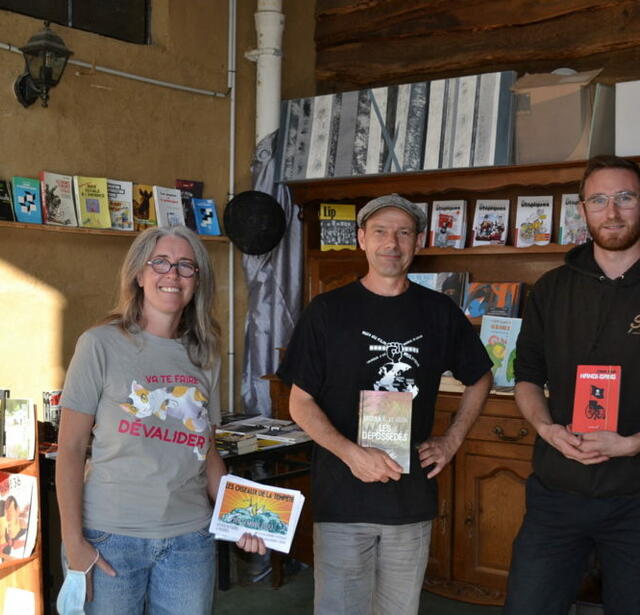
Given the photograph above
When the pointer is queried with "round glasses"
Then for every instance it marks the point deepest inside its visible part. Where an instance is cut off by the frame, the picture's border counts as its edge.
(185, 269)
(622, 200)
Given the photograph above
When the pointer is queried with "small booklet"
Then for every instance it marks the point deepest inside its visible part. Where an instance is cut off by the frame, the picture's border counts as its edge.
(269, 512)
(596, 398)
(385, 423)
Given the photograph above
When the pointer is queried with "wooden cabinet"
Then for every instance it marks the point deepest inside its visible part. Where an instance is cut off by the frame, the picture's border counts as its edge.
(481, 502)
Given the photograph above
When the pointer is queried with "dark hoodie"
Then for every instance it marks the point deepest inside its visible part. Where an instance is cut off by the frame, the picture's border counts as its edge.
(576, 315)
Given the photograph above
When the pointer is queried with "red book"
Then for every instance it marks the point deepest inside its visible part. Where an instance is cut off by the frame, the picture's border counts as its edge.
(597, 395)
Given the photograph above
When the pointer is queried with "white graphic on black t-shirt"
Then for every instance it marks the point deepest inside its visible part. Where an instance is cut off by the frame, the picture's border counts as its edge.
(395, 371)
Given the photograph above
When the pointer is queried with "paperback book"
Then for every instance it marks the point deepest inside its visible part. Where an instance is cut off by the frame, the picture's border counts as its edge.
(92, 202)
(534, 218)
(206, 216)
(490, 222)
(448, 224)
(229, 443)
(269, 512)
(27, 206)
(189, 189)
(451, 283)
(120, 195)
(385, 423)
(168, 206)
(19, 429)
(58, 206)
(18, 515)
(596, 398)
(6, 208)
(492, 299)
(573, 227)
(144, 207)
(499, 336)
(337, 227)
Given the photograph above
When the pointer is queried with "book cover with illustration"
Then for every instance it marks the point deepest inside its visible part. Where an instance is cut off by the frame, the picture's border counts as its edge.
(596, 398)
(120, 194)
(168, 206)
(337, 227)
(92, 201)
(492, 299)
(18, 515)
(534, 219)
(448, 226)
(19, 428)
(573, 227)
(206, 216)
(451, 283)
(144, 207)
(6, 207)
(490, 222)
(58, 206)
(269, 512)
(189, 189)
(27, 205)
(499, 336)
(385, 423)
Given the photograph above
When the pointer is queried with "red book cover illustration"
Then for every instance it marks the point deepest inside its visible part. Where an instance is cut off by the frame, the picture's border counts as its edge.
(596, 399)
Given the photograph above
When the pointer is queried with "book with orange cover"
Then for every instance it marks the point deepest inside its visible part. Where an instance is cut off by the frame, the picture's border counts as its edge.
(596, 398)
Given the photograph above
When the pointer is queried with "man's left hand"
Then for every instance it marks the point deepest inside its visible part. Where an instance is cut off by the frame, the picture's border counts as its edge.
(437, 451)
(608, 444)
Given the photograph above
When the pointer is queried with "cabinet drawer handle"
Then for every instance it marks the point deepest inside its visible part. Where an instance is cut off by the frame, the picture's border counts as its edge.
(500, 433)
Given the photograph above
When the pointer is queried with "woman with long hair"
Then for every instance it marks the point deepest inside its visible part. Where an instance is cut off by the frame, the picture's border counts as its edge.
(145, 384)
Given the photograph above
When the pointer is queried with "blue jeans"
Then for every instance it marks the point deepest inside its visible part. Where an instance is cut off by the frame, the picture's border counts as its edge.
(551, 551)
(369, 568)
(167, 576)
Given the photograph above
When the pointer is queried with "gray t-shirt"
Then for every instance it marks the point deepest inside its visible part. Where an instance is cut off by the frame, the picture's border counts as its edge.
(154, 411)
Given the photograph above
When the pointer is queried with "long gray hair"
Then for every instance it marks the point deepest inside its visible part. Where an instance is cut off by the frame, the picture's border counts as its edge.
(198, 329)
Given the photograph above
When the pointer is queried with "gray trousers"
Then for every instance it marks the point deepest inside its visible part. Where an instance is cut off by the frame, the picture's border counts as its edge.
(368, 568)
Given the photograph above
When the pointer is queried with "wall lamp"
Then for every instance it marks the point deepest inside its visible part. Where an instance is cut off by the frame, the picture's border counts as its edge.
(45, 58)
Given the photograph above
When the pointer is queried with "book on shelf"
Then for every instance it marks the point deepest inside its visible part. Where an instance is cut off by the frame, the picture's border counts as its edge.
(19, 429)
(385, 422)
(92, 202)
(4, 395)
(534, 219)
(448, 224)
(18, 515)
(490, 222)
(269, 512)
(492, 299)
(120, 195)
(499, 336)
(168, 206)
(58, 205)
(451, 283)
(51, 407)
(229, 443)
(189, 189)
(206, 216)
(144, 207)
(27, 205)
(6, 207)
(337, 226)
(573, 227)
(596, 398)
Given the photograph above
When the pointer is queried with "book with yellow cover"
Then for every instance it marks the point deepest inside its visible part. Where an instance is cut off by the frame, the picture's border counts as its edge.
(337, 227)
(92, 202)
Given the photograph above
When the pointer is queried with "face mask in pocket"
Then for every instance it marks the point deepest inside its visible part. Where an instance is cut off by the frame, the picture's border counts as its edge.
(73, 592)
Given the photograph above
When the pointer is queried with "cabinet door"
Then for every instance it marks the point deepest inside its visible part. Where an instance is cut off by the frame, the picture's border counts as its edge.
(490, 503)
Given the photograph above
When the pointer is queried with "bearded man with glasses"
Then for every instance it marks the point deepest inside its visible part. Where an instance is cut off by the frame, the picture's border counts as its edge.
(584, 493)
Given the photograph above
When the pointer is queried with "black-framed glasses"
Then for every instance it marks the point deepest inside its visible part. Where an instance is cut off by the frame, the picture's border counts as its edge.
(185, 269)
(622, 200)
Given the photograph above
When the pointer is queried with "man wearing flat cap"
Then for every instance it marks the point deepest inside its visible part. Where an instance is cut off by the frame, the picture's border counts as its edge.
(381, 333)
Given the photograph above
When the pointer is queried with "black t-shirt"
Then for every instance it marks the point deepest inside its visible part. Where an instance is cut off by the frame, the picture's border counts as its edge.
(351, 339)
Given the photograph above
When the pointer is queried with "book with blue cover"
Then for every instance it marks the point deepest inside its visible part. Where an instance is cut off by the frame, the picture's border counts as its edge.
(206, 216)
(26, 200)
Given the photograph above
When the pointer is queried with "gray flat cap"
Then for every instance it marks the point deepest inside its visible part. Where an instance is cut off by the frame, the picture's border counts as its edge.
(393, 200)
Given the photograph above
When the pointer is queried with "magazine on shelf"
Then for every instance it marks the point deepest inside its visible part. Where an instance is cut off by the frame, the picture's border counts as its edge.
(385, 423)
(18, 515)
(596, 398)
(499, 336)
(58, 206)
(490, 222)
(451, 283)
(269, 512)
(120, 195)
(337, 227)
(448, 224)
(492, 299)
(534, 219)
(573, 227)
(19, 429)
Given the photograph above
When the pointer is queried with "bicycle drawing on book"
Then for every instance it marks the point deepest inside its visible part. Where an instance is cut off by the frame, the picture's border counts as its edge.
(593, 409)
